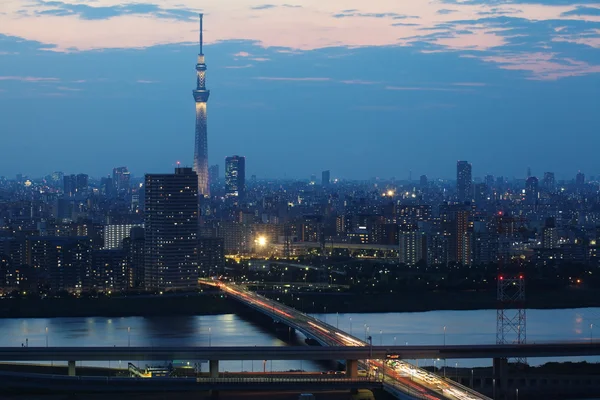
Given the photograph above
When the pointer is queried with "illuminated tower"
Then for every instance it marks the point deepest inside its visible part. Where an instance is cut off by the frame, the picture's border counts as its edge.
(201, 148)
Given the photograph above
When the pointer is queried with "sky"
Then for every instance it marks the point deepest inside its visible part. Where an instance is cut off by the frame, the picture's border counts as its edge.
(381, 88)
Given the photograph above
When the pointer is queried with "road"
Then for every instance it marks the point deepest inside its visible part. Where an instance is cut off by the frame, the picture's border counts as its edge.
(398, 374)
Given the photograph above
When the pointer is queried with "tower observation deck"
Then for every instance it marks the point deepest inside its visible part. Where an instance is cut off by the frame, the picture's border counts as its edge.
(201, 95)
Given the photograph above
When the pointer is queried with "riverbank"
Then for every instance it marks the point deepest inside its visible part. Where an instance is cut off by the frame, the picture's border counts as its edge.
(314, 302)
(214, 303)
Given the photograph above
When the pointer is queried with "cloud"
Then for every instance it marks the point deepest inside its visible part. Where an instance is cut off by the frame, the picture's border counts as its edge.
(359, 82)
(84, 11)
(445, 11)
(426, 89)
(28, 79)
(260, 59)
(239, 66)
(304, 79)
(146, 82)
(263, 7)
(542, 66)
(242, 54)
(353, 13)
(476, 84)
(68, 89)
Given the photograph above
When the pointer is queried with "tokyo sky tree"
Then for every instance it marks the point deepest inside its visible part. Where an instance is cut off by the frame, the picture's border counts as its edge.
(201, 148)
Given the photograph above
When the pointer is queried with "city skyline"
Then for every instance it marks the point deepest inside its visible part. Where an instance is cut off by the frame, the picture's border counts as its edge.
(448, 81)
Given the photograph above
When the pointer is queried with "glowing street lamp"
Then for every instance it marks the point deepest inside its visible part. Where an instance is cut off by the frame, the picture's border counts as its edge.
(262, 241)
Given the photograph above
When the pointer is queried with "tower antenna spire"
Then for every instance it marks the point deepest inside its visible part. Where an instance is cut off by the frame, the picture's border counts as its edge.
(201, 32)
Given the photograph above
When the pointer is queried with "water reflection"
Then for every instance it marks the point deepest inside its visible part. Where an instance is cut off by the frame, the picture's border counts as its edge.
(462, 327)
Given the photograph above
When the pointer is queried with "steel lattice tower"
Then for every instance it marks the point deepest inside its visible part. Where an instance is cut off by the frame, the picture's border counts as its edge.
(201, 95)
(511, 317)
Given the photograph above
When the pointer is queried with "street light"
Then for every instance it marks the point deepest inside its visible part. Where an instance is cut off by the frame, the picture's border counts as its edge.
(46, 336)
(517, 393)
(591, 333)
(381, 338)
(209, 336)
(444, 335)
(394, 340)
(128, 336)
(350, 325)
(456, 370)
(337, 320)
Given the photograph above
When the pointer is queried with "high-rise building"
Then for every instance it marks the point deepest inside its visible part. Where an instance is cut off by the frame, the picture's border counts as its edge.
(211, 256)
(213, 174)
(134, 248)
(171, 230)
(532, 191)
(121, 180)
(549, 181)
(114, 235)
(423, 182)
(69, 185)
(235, 176)
(464, 181)
(580, 179)
(82, 183)
(201, 95)
(325, 177)
(412, 245)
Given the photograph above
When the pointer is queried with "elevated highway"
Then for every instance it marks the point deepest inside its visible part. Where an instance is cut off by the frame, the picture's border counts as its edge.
(334, 352)
(401, 376)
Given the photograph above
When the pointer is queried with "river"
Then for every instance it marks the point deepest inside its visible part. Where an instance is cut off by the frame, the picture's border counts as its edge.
(461, 327)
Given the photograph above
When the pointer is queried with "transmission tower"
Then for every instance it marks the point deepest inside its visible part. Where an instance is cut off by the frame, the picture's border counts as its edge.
(511, 317)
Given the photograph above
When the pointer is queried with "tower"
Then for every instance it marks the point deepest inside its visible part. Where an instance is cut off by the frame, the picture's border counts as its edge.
(511, 317)
(201, 148)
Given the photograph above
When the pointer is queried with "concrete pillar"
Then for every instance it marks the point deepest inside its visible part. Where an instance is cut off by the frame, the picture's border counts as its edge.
(214, 368)
(352, 369)
(500, 378)
(71, 368)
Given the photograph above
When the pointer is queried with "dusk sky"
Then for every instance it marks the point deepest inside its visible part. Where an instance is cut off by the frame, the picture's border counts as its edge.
(363, 88)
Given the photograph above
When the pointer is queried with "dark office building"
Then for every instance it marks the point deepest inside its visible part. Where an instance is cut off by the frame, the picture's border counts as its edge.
(69, 185)
(580, 179)
(134, 248)
(109, 270)
(82, 183)
(549, 181)
(65, 263)
(171, 230)
(464, 181)
(325, 178)
(235, 176)
(211, 256)
(532, 191)
(121, 180)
